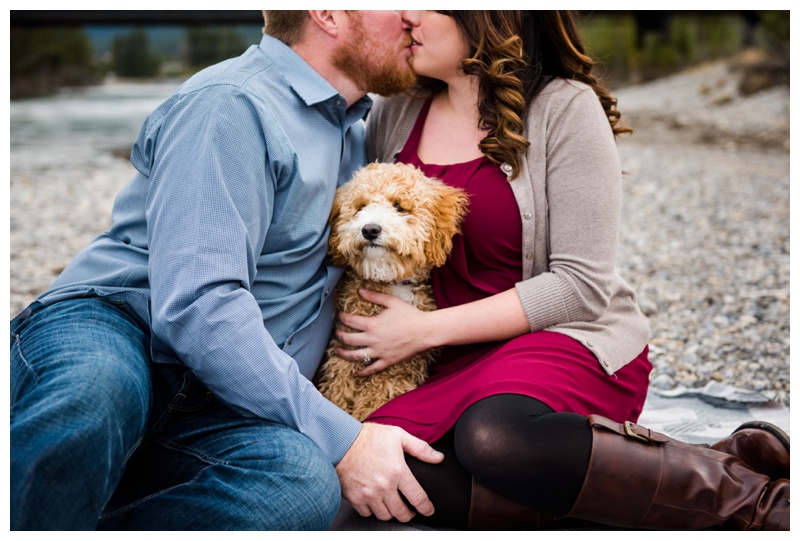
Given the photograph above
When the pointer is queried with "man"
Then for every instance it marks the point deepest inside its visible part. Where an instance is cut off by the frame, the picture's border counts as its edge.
(179, 346)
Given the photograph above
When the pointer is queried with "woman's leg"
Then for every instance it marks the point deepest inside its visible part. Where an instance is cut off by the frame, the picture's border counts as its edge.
(518, 447)
(498, 444)
(447, 484)
(617, 474)
(641, 479)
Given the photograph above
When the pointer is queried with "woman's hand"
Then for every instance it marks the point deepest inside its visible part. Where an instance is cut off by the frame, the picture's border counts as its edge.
(402, 330)
(395, 334)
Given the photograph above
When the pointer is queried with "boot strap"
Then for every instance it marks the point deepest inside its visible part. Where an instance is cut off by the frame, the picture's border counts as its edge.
(623, 475)
(628, 429)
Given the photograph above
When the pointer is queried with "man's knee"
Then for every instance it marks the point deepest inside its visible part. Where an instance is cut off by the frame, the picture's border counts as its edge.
(310, 493)
(75, 414)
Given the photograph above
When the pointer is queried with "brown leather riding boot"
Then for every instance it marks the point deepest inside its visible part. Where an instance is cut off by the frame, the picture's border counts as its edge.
(641, 479)
(761, 445)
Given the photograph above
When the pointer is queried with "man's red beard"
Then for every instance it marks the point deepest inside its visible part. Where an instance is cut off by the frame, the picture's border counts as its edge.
(381, 75)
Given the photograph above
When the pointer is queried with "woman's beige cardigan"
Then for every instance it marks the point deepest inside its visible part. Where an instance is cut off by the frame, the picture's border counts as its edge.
(568, 193)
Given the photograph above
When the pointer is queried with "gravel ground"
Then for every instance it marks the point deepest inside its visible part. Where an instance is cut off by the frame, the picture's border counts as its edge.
(704, 239)
(705, 235)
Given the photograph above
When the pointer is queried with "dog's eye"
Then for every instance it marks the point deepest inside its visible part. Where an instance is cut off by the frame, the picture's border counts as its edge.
(399, 207)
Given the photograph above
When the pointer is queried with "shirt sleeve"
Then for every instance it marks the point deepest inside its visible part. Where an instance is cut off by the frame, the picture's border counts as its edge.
(208, 212)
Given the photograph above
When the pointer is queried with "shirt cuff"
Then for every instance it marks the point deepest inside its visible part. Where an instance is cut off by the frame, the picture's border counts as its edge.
(332, 429)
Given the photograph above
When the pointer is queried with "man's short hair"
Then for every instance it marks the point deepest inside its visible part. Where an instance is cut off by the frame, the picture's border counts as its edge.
(287, 25)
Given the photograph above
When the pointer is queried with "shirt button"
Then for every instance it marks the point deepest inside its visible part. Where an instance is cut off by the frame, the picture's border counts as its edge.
(527, 215)
(327, 292)
(338, 101)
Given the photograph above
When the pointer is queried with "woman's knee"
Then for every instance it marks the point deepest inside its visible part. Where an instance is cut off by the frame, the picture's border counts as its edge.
(491, 430)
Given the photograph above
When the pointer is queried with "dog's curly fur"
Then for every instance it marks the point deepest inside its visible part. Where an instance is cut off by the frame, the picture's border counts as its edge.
(390, 225)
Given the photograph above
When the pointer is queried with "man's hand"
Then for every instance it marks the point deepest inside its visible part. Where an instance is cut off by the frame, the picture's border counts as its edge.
(373, 473)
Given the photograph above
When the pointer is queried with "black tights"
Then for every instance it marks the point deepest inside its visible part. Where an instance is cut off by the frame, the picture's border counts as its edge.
(517, 447)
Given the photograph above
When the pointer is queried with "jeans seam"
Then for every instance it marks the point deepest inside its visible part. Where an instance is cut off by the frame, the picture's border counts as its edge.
(133, 449)
(18, 341)
(169, 444)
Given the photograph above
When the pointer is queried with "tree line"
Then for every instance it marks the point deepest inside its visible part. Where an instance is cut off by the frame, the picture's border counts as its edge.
(630, 48)
(44, 59)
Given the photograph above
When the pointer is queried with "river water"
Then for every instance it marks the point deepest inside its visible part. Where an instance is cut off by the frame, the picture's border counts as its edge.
(78, 127)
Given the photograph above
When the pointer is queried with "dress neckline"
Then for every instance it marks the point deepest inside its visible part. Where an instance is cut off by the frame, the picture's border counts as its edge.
(416, 136)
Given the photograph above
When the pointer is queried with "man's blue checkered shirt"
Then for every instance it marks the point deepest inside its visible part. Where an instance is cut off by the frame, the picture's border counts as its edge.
(219, 241)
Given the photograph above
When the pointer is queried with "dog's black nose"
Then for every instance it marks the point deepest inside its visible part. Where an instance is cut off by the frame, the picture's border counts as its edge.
(371, 231)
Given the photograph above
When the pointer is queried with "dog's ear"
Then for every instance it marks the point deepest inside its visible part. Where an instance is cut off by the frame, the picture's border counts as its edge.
(450, 210)
(334, 241)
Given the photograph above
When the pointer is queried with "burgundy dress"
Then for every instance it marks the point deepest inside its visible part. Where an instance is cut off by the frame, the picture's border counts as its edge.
(549, 366)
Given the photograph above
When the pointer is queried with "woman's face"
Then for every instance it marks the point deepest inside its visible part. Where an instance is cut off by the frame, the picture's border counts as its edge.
(438, 47)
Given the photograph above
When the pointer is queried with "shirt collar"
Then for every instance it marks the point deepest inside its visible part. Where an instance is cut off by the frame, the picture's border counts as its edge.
(304, 80)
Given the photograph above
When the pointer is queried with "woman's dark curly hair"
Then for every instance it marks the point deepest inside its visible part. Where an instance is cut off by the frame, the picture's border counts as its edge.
(515, 54)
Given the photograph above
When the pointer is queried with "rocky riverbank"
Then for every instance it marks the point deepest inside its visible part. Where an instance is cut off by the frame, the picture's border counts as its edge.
(705, 234)
(704, 238)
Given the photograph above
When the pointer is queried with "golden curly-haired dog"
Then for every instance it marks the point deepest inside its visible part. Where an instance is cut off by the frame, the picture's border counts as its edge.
(390, 225)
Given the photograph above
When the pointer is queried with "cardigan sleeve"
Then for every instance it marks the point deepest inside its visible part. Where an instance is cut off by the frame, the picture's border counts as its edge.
(582, 186)
(389, 124)
(375, 129)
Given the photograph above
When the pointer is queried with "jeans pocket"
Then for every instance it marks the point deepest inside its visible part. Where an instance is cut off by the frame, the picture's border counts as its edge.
(181, 395)
(193, 396)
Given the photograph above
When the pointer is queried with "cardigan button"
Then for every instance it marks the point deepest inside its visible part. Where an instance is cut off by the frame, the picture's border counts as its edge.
(527, 215)
(529, 256)
(507, 168)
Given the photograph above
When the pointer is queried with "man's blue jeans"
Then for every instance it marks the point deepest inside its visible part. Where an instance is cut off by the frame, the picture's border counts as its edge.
(101, 438)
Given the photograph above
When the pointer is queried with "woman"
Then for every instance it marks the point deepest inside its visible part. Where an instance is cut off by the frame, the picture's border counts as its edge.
(538, 330)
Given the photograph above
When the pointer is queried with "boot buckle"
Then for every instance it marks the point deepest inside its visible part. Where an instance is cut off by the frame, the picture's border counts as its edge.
(630, 430)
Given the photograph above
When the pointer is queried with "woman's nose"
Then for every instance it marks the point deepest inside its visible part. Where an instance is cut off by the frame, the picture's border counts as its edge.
(410, 17)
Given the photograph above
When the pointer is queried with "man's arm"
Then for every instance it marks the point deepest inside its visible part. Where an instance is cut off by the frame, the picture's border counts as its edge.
(208, 212)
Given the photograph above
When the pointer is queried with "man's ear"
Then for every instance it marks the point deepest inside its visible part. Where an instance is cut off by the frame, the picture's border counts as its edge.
(326, 20)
